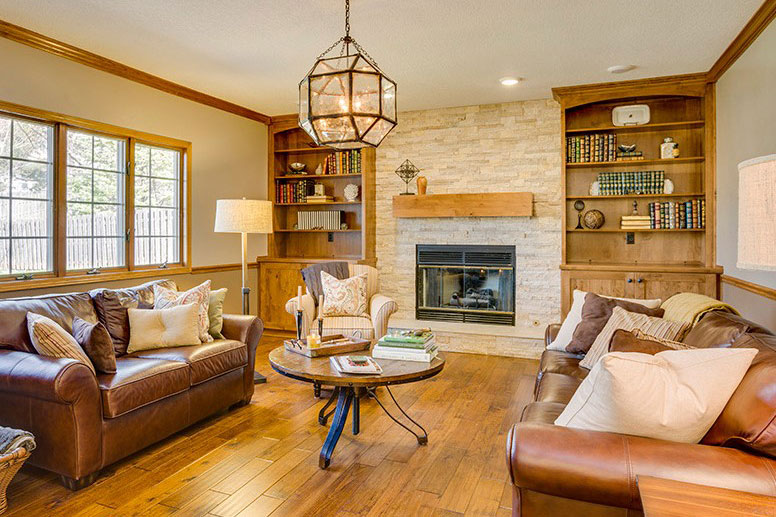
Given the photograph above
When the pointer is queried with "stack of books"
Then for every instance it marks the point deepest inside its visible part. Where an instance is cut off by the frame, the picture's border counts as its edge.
(670, 215)
(598, 147)
(625, 183)
(629, 156)
(319, 199)
(635, 222)
(406, 345)
(355, 364)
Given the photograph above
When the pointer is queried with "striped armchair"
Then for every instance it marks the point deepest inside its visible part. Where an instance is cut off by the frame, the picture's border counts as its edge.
(374, 325)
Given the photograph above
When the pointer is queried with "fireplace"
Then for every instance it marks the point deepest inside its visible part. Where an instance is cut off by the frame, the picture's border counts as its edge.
(470, 284)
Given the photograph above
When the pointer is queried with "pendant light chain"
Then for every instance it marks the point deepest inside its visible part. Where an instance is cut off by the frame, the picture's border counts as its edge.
(347, 18)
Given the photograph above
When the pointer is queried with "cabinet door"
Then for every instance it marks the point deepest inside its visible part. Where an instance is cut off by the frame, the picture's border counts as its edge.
(278, 283)
(665, 285)
(608, 283)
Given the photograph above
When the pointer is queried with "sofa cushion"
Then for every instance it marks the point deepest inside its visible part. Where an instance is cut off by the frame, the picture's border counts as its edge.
(205, 361)
(553, 361)
(720, 328)
(111, 306)
(749, 418)
(139, 382)
(556, 387)
(542, 412)
(61, 308)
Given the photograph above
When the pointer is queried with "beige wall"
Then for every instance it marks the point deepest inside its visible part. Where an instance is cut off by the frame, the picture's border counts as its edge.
(746, 128)
(229, 153)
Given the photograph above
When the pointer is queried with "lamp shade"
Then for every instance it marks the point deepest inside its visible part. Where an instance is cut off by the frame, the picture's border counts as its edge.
(243, 216)
(757, 213)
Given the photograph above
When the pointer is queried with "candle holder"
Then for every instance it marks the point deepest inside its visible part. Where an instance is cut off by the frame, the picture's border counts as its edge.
(299, 315)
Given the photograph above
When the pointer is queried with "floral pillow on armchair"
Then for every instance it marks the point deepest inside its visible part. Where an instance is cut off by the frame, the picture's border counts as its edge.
(344, 297)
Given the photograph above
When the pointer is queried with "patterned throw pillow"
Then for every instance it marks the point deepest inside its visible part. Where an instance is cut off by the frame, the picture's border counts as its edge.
(51, 340)
(343, 297)
(622, 319)
(200, 295)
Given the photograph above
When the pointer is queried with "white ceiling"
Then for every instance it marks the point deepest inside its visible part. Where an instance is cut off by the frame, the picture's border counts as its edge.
(440, 52)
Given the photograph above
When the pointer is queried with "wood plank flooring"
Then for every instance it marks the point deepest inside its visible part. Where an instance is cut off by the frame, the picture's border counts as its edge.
(262, 459)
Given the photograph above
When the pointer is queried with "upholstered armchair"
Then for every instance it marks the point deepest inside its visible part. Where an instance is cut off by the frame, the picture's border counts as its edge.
(373, 325)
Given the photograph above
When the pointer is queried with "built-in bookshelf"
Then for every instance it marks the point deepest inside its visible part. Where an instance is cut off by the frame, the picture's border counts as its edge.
(616, 260)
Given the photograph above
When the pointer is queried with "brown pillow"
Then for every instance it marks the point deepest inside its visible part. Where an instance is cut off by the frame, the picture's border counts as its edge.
(595, 313)
(96, 342)
(637, 341)
(720, 328)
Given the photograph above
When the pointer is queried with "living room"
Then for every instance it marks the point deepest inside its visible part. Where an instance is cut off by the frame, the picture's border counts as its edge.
(539, 278)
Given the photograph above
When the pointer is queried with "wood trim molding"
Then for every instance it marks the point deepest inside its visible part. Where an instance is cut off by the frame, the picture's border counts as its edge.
(685, 84)
(756, 25)
(758, 289)
(84, 57)
(51, 281)
(217, 268)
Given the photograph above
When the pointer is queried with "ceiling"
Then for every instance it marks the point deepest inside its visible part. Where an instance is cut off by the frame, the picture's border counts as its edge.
(440, 52)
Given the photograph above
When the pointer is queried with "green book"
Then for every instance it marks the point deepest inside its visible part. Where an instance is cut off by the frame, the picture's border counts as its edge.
(400, 344)
(408, 338)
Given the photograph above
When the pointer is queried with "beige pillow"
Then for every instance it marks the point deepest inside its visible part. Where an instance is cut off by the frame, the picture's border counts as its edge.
(51, 340)
(622, 319)
(673, 395)
(343, 297)
(161, 328)
(215, 312)
(199, 295)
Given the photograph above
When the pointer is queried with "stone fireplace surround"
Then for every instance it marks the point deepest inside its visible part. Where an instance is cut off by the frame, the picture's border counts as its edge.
(490, 148)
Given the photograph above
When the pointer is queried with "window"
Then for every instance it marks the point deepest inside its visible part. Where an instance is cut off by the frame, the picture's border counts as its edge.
(83, 198)
(96, 211)
(157, 205)
(26, 196)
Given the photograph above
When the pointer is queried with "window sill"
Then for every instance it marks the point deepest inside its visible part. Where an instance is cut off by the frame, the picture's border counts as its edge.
(42, 283)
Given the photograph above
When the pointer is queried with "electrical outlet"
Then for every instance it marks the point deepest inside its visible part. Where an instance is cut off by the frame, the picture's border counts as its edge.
(630, 238)
(331, 237)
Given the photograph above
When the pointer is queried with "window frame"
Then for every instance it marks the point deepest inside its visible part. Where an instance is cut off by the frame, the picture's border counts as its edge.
(60, 275)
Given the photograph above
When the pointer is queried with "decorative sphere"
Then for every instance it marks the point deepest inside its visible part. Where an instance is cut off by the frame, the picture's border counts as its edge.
(593, 219)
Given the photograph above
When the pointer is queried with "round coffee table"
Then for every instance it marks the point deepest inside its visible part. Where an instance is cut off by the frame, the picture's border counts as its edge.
(318, 370)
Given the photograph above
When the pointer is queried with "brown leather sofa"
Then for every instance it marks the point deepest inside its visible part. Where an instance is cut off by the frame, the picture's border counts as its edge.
(562, 471)
(83, 423)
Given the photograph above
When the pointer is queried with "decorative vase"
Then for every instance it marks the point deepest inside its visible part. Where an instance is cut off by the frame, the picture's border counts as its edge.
(422, 184)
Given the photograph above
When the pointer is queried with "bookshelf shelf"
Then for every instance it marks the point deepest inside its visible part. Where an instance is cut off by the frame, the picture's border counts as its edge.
(298, 150)
(316, 176)
(637, 196)
(619, 230)
(349, 230)
(321, 204)
(660, 126)
(634, 163)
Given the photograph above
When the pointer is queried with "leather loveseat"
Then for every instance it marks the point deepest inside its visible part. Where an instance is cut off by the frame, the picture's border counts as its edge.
(84, 422)
(562, 471)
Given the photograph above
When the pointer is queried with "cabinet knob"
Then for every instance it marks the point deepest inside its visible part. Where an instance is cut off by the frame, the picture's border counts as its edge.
(639, 280)
(630, 280)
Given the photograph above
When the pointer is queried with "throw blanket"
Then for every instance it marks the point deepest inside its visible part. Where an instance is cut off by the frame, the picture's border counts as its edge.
(690, 307)
(312, 276)
(12, 439)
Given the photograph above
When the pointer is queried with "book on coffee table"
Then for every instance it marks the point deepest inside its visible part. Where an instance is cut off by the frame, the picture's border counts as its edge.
(355, 364)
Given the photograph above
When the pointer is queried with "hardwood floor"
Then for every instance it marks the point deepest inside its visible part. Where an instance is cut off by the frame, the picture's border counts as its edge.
(262, 459)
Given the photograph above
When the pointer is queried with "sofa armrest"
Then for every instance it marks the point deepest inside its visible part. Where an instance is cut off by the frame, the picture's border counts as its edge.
(602, 468)
(550, 333)
(59, 380)
(380, 309)
(247, 329)
(308, 311)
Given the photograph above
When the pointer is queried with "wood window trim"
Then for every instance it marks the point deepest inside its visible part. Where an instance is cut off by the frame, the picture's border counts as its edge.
(60, 276)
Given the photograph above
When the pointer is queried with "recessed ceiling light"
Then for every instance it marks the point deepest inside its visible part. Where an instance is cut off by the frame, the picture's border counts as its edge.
(620, 69)
(509, 81)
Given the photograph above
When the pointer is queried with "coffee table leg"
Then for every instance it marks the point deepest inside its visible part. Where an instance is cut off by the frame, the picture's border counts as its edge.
(356, 414)
(422, 438)
(323, 416)
(344, 399)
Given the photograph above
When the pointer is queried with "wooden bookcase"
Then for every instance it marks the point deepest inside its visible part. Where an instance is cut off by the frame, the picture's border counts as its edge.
(658, 263)
(291, 250)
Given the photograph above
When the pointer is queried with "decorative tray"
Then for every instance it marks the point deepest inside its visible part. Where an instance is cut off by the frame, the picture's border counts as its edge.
(330, 345)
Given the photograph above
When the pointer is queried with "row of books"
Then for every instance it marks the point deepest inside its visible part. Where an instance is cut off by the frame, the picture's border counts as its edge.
(629, 156)
(671, 215)
(343, 162)
(599, 147)
(292, 192)
(319, 220)
(638, 182)
(407, 345)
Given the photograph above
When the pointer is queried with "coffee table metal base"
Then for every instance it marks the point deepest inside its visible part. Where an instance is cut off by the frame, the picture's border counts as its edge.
(345, 397)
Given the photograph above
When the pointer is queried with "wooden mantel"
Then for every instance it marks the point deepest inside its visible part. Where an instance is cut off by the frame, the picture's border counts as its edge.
(495, 204)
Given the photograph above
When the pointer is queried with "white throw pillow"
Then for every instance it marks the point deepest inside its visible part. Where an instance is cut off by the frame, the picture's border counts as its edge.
(162, 328)
(574, 316)
(199, 295)
(674, 395)
(344, 297)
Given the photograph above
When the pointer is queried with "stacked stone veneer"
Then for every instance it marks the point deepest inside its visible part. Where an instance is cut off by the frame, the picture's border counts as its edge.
(511, 147)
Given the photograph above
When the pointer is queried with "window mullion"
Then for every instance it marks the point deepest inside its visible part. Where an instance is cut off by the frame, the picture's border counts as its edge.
(129, 203)
(60, 199)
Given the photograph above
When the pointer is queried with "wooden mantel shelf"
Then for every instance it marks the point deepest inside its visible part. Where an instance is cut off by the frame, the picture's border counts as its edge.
(495, 204)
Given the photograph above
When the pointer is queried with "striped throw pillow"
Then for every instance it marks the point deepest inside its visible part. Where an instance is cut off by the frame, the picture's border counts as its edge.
(630, 321)
(51, 340)
(670, 343)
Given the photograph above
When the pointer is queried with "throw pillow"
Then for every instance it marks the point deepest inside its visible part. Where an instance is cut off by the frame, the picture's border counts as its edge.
(215, 312)
(622, 319)
(51, 340)
(344, 297)
(574, 316)
(96, 342)
(199, 295)
(162, 328)
(637, 341)
(595, 313)
(674, 395)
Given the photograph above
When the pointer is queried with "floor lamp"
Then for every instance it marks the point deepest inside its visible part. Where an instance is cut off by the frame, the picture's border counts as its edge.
(244, 216)
(757, 213)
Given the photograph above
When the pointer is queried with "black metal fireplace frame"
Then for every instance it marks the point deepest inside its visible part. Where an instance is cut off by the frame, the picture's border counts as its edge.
(463, 256)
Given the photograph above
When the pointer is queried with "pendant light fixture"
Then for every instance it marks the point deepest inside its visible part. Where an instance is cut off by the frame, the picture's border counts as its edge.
(347, 102)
